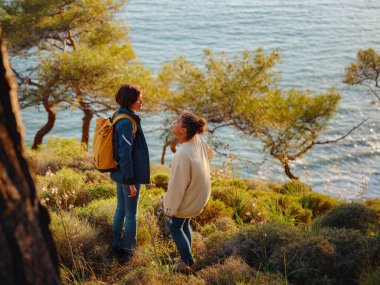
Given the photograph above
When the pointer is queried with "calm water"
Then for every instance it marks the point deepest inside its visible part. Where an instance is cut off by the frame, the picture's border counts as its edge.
(317, 40)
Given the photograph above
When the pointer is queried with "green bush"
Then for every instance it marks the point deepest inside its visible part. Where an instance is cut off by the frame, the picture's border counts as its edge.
(256, 243)
(294, 187)
(214, 210)
(150, 198)
(233, 271)
(95, 191)
(72, 234)
(353, 252)
(58, 153)
(100, 213)
(246, 208)
(254, 211)
(305, 261)
(318, 203)
(160, 180)
(229, 184)
(287, 210)
(256, 184)
(350, 216)
(59, 190)
(374, 204)
(223, 224)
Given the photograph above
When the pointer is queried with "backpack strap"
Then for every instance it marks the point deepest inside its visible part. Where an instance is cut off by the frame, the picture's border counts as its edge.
(124, 116)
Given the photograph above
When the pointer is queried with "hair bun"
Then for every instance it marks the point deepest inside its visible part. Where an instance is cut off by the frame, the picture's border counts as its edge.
(201, 126)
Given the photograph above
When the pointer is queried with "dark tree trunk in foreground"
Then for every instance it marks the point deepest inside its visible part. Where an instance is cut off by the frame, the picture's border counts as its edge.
(52, 114)
(27, 251)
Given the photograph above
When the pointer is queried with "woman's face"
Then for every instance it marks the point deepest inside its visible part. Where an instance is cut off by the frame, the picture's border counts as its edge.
(138, 104)
(177, 128)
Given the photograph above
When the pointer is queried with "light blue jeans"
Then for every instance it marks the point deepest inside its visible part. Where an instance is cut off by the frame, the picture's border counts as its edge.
(180, 231)
(126, 212)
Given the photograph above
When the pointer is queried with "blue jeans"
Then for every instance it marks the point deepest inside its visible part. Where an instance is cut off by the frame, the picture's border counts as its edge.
(126, 210)
(181, 232)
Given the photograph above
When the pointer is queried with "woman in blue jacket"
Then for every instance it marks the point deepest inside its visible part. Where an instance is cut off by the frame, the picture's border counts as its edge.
(131, 153)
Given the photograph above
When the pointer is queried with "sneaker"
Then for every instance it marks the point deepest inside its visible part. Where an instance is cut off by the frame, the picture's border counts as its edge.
(176, 259)
(182, 267)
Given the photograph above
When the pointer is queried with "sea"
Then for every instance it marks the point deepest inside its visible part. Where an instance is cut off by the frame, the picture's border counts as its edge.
(317, 40)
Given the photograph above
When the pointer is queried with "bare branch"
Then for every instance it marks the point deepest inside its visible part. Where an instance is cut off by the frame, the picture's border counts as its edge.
(373, 91)
(220, 126)
(342, 137)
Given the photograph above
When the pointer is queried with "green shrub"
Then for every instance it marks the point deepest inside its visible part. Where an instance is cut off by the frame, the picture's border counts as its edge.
(95, 191)
(229, 183)
(318, 203)
(214, 210)
(305, 261)
(160, 180)
(294, 187)
(72, 234)
(353, 251)
(350, 216)
(223, 224)
(233, 271)
(246, 208)
(59, 190)
(256, 243)
(374, 204)
(150, 198)
(58, 153)
(287, 210)
(254, 211)
(256, 184)
(148, 230)
(100, 213)
(215, 247)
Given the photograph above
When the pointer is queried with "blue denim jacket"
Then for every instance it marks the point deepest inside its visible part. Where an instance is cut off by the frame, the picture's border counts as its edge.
(131, 153)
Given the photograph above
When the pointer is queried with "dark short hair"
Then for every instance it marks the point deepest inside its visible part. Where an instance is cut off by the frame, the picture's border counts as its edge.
(193, 124)
(127, 95)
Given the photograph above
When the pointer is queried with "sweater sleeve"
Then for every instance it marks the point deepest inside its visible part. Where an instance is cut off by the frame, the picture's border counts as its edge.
(209, 152)
(125, 140)
(178, 182)
(208, 149)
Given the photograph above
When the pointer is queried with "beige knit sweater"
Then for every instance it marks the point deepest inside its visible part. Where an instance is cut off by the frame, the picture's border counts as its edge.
(189, 184)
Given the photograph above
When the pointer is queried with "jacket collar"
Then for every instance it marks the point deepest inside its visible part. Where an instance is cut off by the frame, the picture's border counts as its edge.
(130, 113)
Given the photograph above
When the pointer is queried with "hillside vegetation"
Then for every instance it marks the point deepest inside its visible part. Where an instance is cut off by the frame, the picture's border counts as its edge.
(251, 231)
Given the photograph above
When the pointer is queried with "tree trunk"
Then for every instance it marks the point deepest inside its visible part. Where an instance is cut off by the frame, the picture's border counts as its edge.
(88, 115)
(28, 253)
(49, 124)
(173, 147)
(288, 173)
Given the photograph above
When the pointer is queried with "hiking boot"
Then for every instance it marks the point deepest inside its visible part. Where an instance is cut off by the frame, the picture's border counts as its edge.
(182, 267)
(122, 255)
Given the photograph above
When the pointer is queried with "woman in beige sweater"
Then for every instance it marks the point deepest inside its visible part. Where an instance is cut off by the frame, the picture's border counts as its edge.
(189, 185)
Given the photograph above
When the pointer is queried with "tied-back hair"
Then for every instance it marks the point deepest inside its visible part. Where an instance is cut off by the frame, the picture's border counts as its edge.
(193, 124)
(127, 95)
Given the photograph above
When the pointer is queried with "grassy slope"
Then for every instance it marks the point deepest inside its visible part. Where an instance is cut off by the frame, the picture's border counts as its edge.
(251, 231)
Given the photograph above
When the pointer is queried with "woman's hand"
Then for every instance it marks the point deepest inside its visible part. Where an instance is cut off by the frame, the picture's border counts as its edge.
(132, 190)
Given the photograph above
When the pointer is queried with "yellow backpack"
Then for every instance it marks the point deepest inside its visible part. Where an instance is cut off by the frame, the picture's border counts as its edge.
(103, 141)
